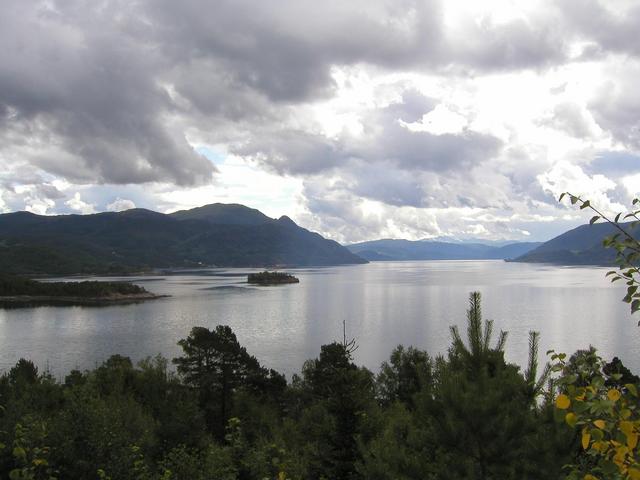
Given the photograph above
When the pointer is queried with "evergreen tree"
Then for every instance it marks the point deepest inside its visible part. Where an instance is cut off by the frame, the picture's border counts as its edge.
(342, 393)
(217, 365)
(481, 409)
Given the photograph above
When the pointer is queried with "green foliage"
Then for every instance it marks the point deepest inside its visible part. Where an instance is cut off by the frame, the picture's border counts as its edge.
(271, 278)
(484, 414)
(594, 399)
(474, 415)
(13, 285)
(340, 394)
(606, 418)
(183, 463)
(217, 366)
(408, 371)
(478, 354)
(403, 447)
(626, 246)
(30, 451)
(23, 373)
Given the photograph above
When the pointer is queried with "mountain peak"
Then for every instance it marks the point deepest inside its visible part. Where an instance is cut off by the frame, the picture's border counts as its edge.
(224, 214)
(284, 220)
(135, 240)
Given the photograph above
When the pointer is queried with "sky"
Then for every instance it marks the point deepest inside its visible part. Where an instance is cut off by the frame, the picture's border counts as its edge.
(360, 120)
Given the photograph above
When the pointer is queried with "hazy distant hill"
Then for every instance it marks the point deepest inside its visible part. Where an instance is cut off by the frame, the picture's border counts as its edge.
(580, 246)
(219, 234)
(380, 250)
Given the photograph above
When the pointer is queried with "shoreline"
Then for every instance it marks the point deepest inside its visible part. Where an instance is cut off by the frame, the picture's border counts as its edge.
(52, 300)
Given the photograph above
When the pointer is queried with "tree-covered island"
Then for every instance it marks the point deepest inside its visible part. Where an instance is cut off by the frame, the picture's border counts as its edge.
(18, 291)
(271, 278)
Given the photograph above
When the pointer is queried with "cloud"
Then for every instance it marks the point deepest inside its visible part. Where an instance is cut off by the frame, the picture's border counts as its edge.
(120, 204)
(382, 117)
(385, 139)
(611, 29)
(292, 151)
(77, 204)
(572, 119)
(110, 94)
(616, 104)
(564, 177)
(80, 98)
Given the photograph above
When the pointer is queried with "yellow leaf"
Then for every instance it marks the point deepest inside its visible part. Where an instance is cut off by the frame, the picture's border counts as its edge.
(632, 441)
(563, 402)
(586, 437)
(613, 395)
(600, 424)
(634, 473)
(627, 427)
(588, 476)
(618, 459)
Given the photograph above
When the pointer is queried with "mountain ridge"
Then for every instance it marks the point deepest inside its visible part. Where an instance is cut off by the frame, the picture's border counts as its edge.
(401, 249)
(140, 239)
(579, 246)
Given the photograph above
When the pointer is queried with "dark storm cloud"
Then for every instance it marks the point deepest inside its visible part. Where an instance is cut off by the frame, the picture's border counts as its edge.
(386, 147)
(569, 118)
(292, 151)
(427, 151)
(512, 45)
(387, 139)
(285, 49)
(82, 88)
(107, 92)
(400, 188)
(611, 31)
(616, 106)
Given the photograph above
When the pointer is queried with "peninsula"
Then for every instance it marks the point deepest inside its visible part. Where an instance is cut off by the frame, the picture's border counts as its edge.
(17, 291)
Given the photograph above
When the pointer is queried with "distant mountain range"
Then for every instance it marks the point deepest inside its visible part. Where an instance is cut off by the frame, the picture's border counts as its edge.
(580, 246)
(388, 249)
(226, 235)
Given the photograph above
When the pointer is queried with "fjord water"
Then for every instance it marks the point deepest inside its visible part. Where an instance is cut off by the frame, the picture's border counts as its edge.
(383, 304)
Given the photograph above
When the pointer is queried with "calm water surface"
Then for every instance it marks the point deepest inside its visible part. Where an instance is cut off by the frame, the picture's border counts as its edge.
(384, 304)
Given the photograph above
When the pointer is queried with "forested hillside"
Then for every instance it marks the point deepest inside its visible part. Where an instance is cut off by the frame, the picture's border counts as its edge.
(580, 246)
(138, 239)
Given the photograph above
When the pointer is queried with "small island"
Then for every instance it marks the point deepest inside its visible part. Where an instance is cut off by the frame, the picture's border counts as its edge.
(271, 278)
(17, 291)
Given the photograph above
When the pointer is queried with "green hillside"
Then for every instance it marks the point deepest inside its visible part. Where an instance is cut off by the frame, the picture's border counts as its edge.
(580, 246)
(138, 239)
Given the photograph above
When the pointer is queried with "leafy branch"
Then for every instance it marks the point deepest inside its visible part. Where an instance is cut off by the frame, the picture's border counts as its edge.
(627, 247)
